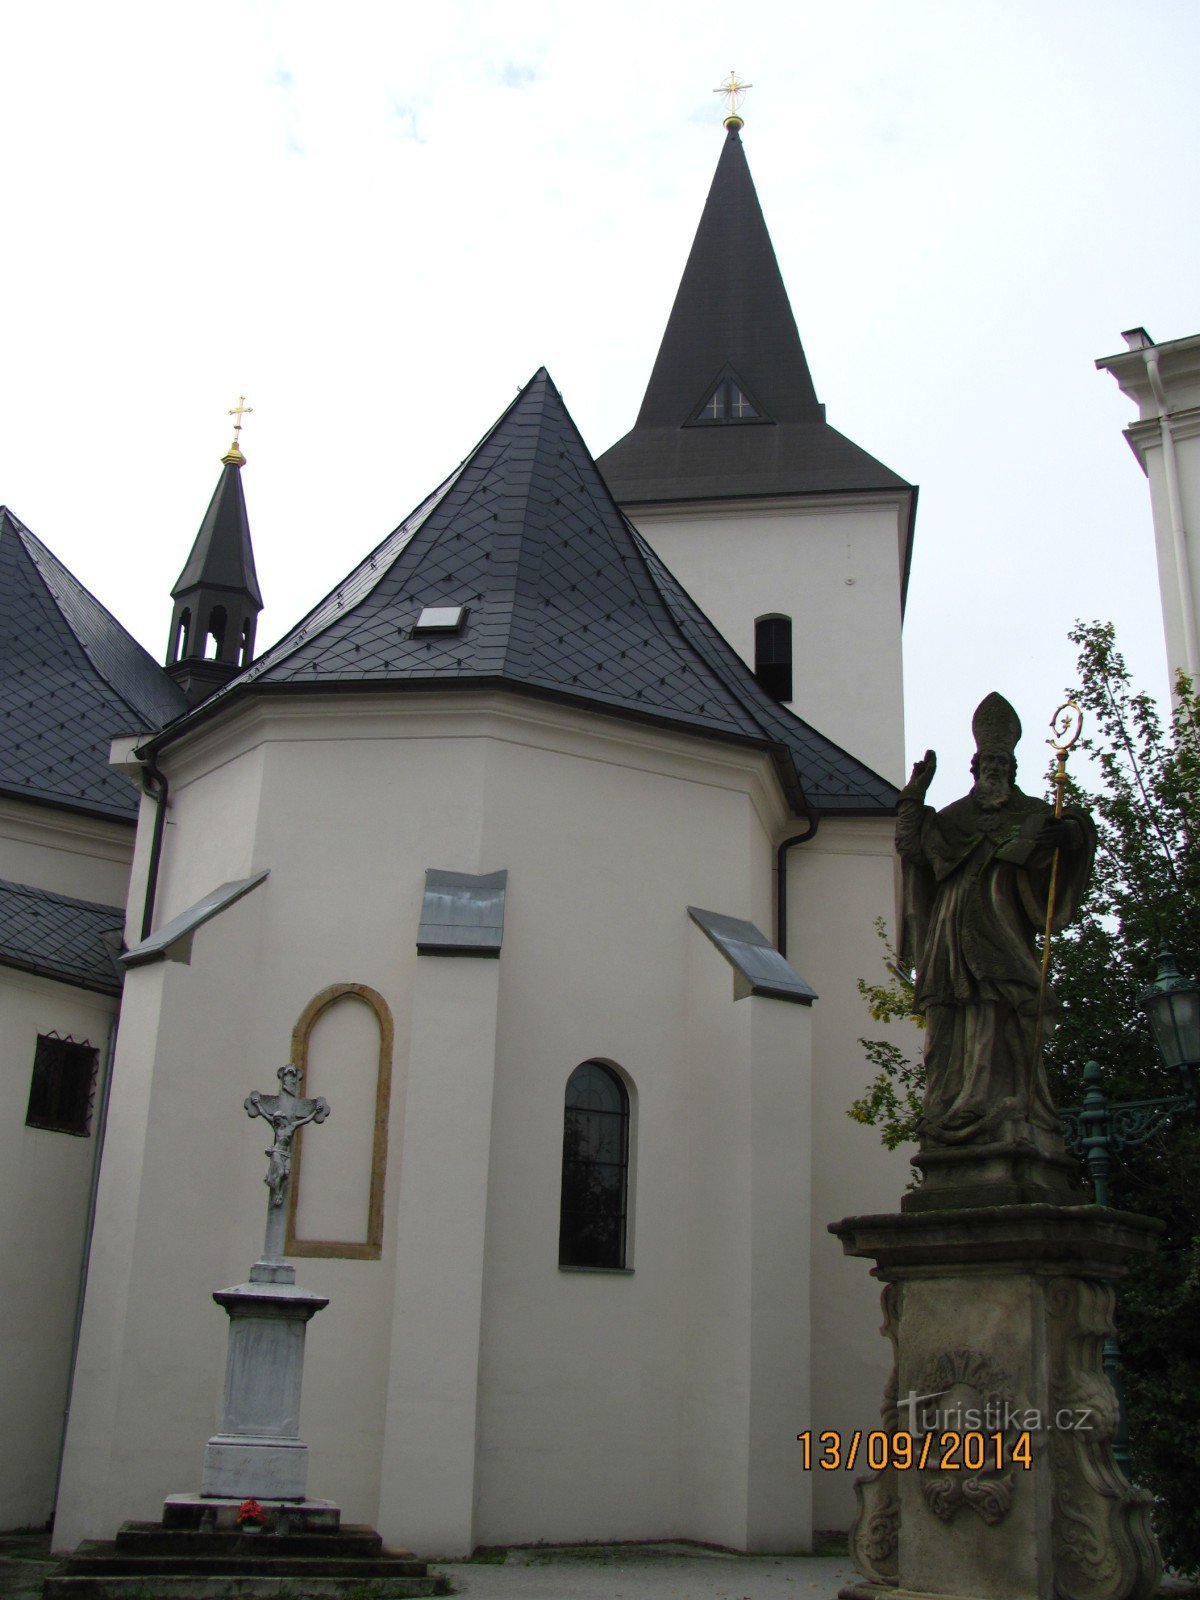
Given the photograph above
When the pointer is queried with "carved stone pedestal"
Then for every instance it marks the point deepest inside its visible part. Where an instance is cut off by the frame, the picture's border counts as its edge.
(258, 1452)
(998, 1314)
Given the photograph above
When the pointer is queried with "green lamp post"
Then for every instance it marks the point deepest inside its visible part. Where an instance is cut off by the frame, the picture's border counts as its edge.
(1099, 1126)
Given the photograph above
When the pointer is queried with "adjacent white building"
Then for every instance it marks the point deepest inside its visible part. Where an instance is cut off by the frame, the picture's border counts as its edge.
(502, 843)
(1163, 380)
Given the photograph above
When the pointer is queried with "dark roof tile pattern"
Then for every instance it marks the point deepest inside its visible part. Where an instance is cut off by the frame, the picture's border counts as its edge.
(563, 599)
(59, 937)
(71, 679)
(732, 316)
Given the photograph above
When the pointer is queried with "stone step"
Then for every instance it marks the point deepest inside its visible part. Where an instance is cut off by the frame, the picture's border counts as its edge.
(351, 1539)
(110, 1563)
(149, 1562)
(261, 1586)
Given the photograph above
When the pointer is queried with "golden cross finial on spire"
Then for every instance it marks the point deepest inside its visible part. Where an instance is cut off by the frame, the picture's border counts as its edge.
(234, 453)
(735, 92)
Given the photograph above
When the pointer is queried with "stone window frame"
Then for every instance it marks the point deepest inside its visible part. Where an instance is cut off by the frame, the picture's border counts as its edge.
(350, 1249)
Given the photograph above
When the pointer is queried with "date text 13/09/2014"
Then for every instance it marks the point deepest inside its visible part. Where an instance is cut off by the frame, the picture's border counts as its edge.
(934, 1452)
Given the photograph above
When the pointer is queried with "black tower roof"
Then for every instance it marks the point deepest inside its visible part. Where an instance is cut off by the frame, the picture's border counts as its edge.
(732, 320)
(222, 556)
(71, 678)
(562, 599)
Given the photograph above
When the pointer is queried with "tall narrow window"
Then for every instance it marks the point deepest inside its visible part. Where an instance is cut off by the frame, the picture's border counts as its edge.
(595, 1169)
(214, 642)
(183, 635)
(64, 1079)
(773, 656)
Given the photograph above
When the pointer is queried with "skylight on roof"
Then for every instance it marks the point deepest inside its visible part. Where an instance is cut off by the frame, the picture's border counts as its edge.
(440, 619)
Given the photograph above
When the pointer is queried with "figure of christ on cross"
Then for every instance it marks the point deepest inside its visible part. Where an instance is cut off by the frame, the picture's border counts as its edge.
(286, 1112)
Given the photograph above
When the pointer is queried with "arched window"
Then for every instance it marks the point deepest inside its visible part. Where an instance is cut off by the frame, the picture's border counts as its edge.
(595, 1169)
(773, 656)
(246, 647)
(183, 635)
(214, 642)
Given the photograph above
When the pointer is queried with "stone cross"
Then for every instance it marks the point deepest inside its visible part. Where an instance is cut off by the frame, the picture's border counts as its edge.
(285, 1111)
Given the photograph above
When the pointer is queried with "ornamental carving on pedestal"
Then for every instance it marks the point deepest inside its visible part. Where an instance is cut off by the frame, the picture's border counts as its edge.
(1100, 1524)
(875, 1533)
(967, 1381)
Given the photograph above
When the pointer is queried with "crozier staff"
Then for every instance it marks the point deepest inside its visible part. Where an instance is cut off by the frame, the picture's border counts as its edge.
(976, 882)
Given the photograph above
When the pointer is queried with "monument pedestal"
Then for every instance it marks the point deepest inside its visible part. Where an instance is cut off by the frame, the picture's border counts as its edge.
(997, 1479)
(258, 1452)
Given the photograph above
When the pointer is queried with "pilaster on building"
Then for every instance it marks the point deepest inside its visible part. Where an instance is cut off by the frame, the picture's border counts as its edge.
(1163, 380)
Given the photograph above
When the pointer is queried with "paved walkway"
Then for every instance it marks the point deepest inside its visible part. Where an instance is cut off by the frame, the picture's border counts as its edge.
(647, 1572)
(592, 1572)
(588, 1572)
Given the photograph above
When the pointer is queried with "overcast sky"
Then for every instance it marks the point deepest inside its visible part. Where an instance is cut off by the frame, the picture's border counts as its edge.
(377, 220)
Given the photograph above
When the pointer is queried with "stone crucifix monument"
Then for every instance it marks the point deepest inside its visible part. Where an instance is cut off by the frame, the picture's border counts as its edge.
(255, 1469)
(993, 1476)
(258, 1452)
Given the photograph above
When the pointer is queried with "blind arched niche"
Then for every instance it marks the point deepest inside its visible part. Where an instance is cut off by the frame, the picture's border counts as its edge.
(342, 1042)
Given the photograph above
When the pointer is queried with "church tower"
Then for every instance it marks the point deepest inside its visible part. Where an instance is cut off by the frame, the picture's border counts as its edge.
(217, 598)
(794, 540)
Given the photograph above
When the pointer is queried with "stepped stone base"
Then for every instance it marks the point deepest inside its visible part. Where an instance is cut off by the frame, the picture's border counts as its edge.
(216, 1561)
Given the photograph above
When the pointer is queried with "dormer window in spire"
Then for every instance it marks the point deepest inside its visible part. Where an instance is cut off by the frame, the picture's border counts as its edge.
(727, 401)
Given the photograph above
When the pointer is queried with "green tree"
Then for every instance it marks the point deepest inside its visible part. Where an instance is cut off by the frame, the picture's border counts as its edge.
(1142, 784)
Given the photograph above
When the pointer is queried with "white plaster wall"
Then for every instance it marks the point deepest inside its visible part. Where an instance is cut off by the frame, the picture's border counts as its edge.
(428, 1485)
(833, 566)
(64, 852)
(838, 884)
(1178, 363)
(1187, 459)
(584, 1386)
(592, 1387)
(333, 1202)
(44, 1183)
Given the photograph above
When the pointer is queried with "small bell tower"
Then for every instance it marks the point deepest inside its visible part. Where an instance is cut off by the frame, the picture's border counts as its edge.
(217, 598)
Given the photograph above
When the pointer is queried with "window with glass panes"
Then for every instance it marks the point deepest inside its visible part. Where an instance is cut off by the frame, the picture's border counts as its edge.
(595, 1169)
(773, 656)
(728, 403)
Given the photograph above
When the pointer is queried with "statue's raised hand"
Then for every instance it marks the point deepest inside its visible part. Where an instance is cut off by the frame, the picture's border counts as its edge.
(922, 776)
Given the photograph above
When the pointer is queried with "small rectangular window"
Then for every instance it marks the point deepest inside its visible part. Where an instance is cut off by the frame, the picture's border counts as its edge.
(63, 1084)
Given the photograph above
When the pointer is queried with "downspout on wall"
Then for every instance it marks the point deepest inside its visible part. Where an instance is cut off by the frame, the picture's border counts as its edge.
(781, 855)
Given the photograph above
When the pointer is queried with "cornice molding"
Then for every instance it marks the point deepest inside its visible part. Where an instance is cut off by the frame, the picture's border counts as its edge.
(483, 714)
(59, 829)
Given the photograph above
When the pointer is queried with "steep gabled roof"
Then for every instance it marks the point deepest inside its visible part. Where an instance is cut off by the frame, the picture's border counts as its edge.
(70, 679)
(732, 319)
(222, 556)
(562, 599)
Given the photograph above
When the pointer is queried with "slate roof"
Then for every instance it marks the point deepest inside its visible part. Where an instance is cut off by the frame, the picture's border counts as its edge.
(222, 556)
(563, 599)
(732, 315)
(70, 679)
(59, 937)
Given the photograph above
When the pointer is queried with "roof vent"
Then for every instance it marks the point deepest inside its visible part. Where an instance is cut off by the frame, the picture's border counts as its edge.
(440, 619)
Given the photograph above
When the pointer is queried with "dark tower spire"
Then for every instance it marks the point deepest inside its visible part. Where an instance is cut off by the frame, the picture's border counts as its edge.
(217, 598)
(730, 410)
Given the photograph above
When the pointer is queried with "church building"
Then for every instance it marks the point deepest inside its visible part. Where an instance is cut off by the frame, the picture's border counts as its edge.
(549, 846)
